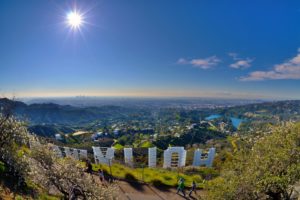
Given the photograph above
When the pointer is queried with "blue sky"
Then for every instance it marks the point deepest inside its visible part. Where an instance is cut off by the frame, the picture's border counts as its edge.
(231, 49)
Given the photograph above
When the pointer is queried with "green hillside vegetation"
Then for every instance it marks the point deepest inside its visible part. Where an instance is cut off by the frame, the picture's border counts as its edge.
(196, 135)
(118, 146)
(265, 167)
(146, 144)
(159, 176)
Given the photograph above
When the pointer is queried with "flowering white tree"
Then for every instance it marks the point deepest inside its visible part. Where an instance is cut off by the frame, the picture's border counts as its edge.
(40, 165)
(13, 135)
(64, 173)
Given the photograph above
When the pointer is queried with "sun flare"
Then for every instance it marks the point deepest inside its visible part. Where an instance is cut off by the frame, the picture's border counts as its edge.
(74, 20)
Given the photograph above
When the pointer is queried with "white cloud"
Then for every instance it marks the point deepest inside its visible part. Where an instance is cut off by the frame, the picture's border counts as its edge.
(287, 70)
(233, 55)
(182, 61)
(242, 64)
(202, 63)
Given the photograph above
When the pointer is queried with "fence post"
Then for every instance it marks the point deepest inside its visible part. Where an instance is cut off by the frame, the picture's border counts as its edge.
(109, 163)
(143, 173)
(177, 174)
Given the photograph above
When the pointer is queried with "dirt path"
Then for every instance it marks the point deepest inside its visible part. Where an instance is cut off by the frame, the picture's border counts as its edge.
(138, 191)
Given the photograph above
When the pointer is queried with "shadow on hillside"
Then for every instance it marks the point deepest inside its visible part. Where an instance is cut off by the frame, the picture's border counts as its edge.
(133, 182)
(158, 184)
(193, 198)
(187, 197)
(9, 182)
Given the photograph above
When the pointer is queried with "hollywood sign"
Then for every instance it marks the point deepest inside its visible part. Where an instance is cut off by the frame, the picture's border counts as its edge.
(173, 156)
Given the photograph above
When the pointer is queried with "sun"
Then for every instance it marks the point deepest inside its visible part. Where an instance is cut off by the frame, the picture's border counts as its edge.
(74, 20)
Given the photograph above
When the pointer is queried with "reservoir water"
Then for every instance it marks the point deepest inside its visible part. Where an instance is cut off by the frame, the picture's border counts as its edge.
(211, 117)
(236, 122)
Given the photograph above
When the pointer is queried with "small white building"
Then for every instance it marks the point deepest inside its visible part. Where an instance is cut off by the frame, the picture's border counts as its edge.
(116, 131)
(58, 136)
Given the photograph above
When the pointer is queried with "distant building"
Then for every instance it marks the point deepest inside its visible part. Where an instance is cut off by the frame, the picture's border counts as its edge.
(191, 126)
(58, 136)
(222, 126)
(177, 135)
(204, 123)
(116, 131)
(96, 136)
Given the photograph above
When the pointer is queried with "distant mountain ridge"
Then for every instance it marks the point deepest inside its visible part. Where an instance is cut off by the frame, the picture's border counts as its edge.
(50, 113)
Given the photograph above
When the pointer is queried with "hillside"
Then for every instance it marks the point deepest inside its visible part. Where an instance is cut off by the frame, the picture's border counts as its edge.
(283, 109)
(49, 113)
(48, 119)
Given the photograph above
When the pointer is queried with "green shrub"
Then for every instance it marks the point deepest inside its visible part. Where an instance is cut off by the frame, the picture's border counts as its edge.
(264, 167)
(168, 178)
(47, 197)
(18, 198)
(2, 167)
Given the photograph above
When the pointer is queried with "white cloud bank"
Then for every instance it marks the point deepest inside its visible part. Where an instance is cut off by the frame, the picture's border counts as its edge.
(287, 70)
(202, 63)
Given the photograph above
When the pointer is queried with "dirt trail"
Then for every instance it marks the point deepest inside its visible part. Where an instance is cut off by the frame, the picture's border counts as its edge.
(138, 191)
